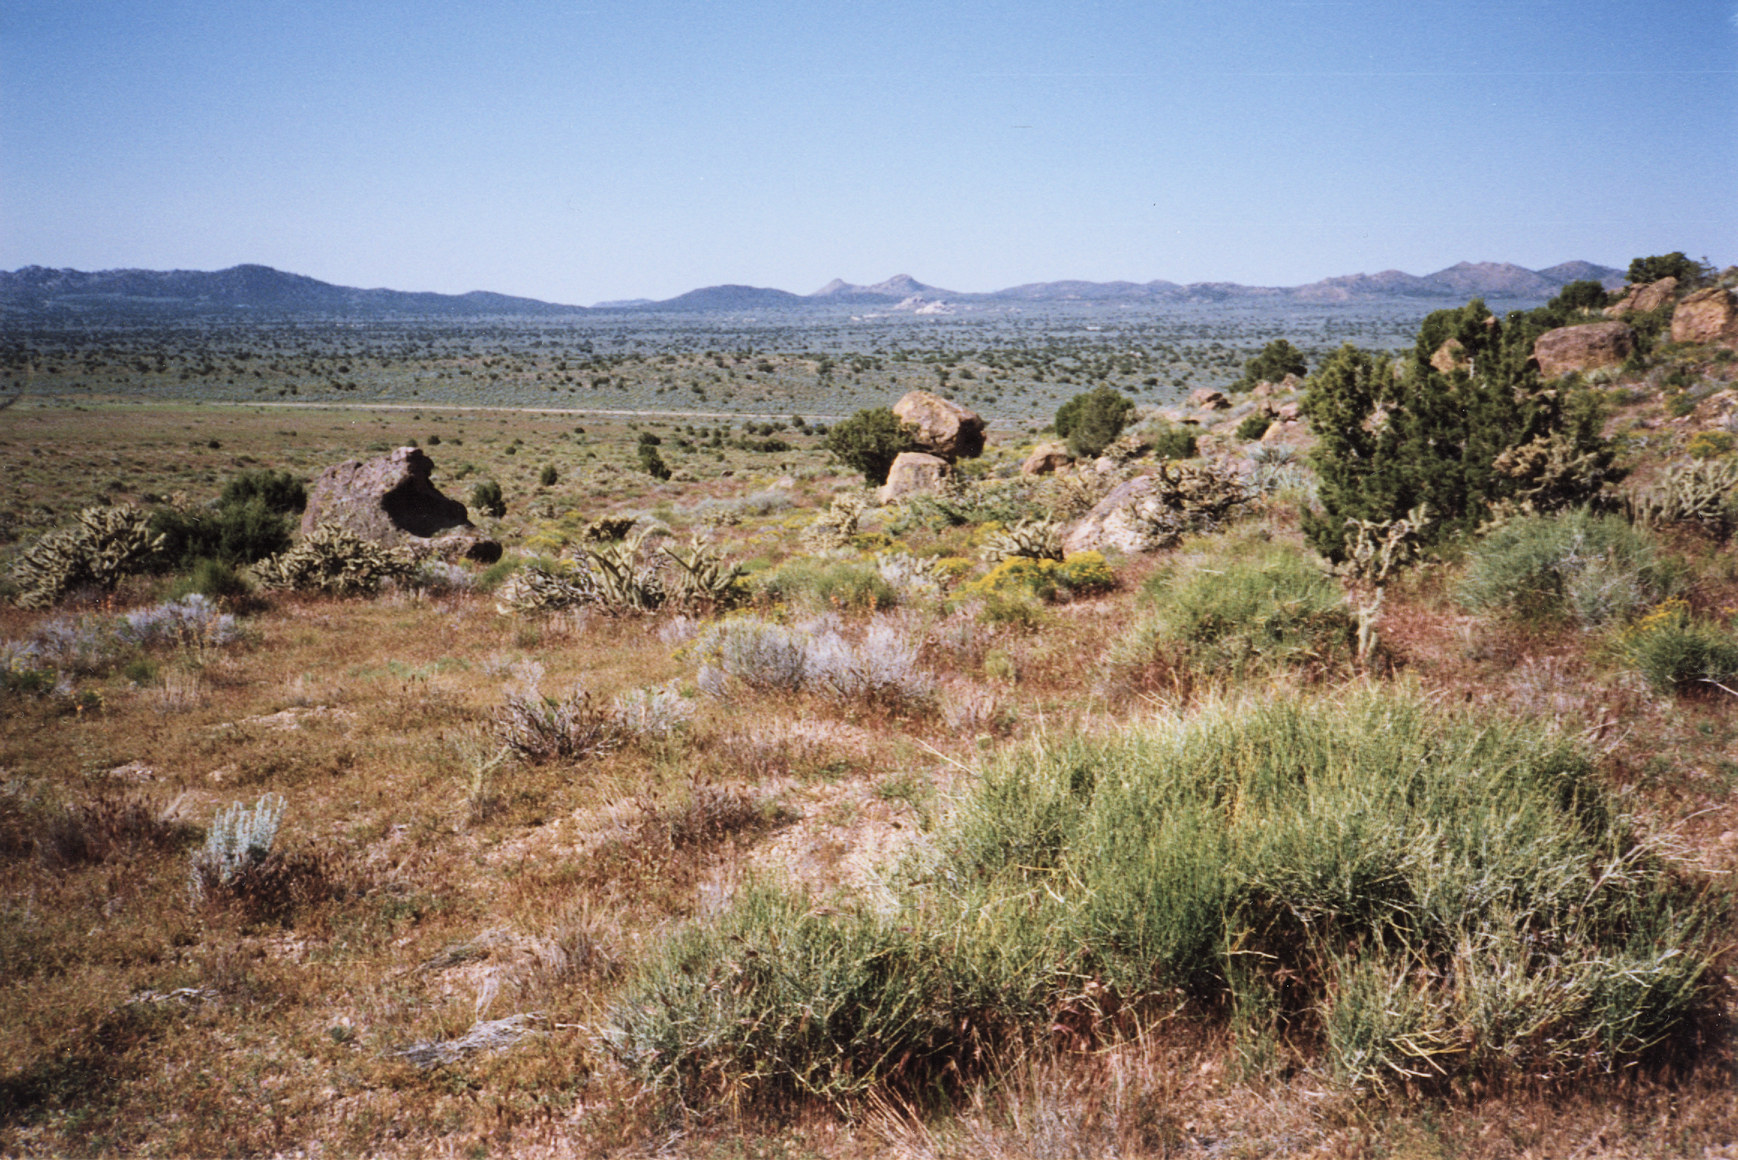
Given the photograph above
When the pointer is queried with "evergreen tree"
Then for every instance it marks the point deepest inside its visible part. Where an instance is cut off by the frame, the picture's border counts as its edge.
(1460, 440)
(1091, 421)
(1277, 359)
(870, 441)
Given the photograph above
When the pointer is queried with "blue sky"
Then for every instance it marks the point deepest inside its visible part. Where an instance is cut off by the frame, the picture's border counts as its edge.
(577, 151)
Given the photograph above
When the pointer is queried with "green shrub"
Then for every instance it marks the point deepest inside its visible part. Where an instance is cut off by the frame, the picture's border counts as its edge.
(548, 477)
(277, 491)
(1710, 445)
(1172, 441)
(211, 578)
(1265, 608)
(1254, 426)
(1407, 892)
(1090, 422)
(1277, 359)
(486, 497)
(1677, 652)
(870, 441)
(1596, 568)
(234, 533)
(651, 462)
(845, 585)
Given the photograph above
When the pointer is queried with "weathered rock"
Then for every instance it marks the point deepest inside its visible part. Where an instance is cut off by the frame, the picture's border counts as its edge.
(1709, 315)
(1208, 399)
(1450, 356)
(911, 473)
(390, 501)
(1583, 348)
(1046, 458)
(944, 429)
(1287, 412)
(1294, 433)
(1291, 382)
(1640, 298)
(1122, 520)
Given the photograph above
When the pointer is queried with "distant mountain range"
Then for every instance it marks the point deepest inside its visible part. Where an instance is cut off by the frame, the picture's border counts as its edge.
(260, 291)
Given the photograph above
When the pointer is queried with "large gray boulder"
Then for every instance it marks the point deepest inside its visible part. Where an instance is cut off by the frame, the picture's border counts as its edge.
(944, 429)
(1128, 519)
(390, 501)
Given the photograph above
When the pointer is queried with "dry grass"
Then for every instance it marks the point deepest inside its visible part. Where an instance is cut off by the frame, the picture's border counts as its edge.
(422, 890)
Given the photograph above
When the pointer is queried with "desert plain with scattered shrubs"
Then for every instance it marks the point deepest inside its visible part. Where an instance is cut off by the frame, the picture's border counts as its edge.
(1384, 804)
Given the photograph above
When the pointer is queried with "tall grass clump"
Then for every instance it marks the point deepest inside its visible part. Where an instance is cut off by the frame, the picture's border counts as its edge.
(1379, 889)
(848, 586)
(1241, 610)
(1594, 568)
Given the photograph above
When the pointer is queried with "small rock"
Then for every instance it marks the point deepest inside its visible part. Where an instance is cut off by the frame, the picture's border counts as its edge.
(913, 472)
(1208, 399)
(1046, 458)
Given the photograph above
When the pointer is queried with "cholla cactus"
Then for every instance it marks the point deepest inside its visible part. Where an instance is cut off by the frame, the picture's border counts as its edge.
(1697, 491)
(238, 838)
(834, 527)
(607, 529)
(1029, 539)
(909, 574)
(704, 579)
(627, 581)
(535, 589)
(1068, 495)
(1374, 550)
(1204, 494)
(104, 546)
(334, 559)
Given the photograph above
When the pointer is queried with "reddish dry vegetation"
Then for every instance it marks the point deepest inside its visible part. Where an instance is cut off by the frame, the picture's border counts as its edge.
(433, 901)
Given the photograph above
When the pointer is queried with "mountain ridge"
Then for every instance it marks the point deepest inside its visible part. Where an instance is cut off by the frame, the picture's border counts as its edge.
(256, 290)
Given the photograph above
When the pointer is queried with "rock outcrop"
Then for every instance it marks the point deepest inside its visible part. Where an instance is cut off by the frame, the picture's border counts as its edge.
(1583, 348)
(1709, 315)
(1123, 520)
(944, 429)
(1046, 458)
(1208, 399)
(913, 472)
(1640, 298)
(390, 501)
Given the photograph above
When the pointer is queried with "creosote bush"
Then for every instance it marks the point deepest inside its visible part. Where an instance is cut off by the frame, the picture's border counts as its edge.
(1388, 892)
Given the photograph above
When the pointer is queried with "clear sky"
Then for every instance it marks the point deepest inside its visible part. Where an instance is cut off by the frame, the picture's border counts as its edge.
(577, 150)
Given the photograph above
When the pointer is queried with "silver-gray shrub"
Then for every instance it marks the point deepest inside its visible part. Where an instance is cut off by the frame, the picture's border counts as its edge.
(239, 837)
(654, 714)
(749, 651)
(1595, 568)
(880, 667)
(193, 621)
(758, 655)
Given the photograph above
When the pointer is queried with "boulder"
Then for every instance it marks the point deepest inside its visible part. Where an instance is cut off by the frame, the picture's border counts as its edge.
(1122, 520)
(944, 429)
(1450, 356)
(1709, 315)
(1208, 399)
(911, 473)
(1640, 298)
(1583, 348)
(390, 501)
(1046, 458)
(1288, 412)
